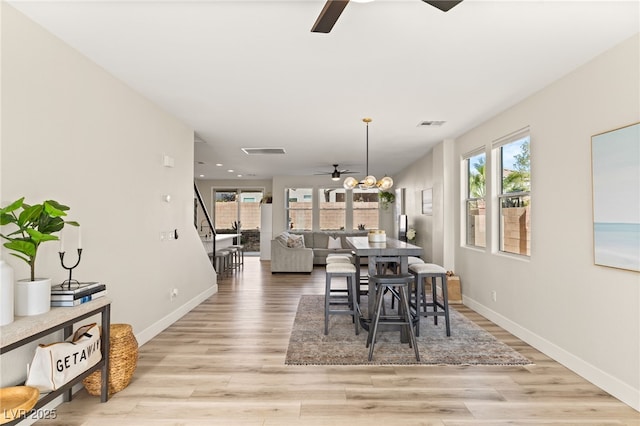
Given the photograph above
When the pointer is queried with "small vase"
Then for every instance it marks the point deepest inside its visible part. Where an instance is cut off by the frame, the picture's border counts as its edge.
(33, 297)
(6, 293)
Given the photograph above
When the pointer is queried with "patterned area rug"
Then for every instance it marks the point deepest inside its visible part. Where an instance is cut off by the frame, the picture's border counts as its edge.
(468, 344)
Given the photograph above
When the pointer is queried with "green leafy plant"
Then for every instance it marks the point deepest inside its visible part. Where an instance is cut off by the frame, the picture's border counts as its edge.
(35, 224)
(267, 198)
(386, 199)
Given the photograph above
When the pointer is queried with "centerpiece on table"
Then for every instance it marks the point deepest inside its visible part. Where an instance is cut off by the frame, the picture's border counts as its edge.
(35, 224)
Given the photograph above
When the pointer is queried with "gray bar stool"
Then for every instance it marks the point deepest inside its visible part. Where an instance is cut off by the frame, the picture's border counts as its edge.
(398, 286)
(422, 271)
(222, 259)
(339, 258)
(238, 255)
(332, 299)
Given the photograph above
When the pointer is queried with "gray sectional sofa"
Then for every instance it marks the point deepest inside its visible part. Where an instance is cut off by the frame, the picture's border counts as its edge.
(315, 250)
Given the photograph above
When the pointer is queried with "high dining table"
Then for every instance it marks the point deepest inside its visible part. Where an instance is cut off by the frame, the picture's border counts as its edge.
(392, 250)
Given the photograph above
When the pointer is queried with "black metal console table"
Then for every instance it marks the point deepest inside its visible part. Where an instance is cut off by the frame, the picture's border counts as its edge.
(27, 329)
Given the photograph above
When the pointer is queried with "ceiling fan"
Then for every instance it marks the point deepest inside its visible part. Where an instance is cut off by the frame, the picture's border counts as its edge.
(335, 174)
(333, 8)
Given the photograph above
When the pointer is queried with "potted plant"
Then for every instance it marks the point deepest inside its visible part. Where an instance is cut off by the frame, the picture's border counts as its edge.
(267, 198)
(35, 225)
(386, 199)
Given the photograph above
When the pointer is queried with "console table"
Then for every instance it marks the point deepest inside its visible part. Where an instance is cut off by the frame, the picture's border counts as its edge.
(27, 329)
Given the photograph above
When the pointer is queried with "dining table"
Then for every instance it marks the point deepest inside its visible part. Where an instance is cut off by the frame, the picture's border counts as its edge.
(391, 250)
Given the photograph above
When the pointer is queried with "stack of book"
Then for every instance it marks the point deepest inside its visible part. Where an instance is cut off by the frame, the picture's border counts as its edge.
(76, 294)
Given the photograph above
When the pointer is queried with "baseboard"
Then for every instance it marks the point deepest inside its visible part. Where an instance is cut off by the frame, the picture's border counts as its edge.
(603, 380)
(150, 332)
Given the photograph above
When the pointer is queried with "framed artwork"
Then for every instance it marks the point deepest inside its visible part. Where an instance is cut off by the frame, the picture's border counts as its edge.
(615, 158)
(427, 201)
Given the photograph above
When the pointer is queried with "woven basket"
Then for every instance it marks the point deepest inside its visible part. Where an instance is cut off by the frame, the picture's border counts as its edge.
(123, 359)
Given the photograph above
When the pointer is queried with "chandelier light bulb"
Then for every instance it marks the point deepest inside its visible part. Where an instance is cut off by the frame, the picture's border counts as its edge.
(369, 182)
(350, 183)
(385, 183)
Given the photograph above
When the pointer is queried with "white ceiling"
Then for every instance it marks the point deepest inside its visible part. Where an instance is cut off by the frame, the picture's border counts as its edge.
(251, 74)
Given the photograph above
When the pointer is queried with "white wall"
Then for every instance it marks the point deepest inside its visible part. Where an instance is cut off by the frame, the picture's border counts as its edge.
(585, 316)
(434, 171)
(73, 133)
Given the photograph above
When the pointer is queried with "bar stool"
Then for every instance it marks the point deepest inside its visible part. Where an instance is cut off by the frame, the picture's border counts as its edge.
(222, 258)
(398, 286)
(339, 258)
(331, 299)
(421, 271)
(233, 253)
(238, 255)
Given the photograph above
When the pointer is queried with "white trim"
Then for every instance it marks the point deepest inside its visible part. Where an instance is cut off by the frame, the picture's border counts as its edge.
(511, 137)
(619, 389)
(154, 329)
(474, 152)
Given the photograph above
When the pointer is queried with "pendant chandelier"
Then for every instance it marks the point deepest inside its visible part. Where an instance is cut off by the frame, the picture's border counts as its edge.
(370, 181)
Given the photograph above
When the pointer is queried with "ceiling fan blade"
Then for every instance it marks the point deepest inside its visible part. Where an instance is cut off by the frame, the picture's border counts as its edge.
(329, 15)
(443, 5)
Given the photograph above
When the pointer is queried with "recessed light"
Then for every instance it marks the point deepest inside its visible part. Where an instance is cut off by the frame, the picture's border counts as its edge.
(239, 175)
(219, 164)
(201, 175)
(230, 170)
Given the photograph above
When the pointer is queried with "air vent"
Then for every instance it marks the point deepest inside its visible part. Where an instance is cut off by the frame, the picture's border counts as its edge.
(263, 151)
(431, 123)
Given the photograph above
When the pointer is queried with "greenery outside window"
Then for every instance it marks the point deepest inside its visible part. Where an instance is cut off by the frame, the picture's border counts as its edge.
(366, 214)
(299, 208)
(514, 198)
(475, 171)
(332, 208)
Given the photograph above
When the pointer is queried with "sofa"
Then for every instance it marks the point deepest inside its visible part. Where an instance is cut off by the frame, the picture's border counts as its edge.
(299, 251)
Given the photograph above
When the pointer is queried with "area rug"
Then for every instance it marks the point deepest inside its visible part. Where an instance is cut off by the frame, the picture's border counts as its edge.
(468, 344)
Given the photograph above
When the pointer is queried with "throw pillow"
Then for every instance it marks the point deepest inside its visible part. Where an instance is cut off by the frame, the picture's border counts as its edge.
(283, 237)
(295, 241)
(334, 243)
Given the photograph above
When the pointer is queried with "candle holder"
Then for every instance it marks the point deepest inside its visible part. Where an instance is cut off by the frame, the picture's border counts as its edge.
(70, 269)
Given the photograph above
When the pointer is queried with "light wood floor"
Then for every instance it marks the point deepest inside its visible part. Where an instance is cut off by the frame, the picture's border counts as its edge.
(223, 364)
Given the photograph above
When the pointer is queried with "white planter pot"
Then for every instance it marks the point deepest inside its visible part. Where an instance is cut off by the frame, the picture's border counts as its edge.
(6, 293)
(33, 297)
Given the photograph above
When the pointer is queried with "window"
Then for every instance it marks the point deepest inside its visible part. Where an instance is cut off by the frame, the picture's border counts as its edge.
(365, 208)
(250, 209)
(514, 197)
(225, 210)
(236, 208)
(299, 208)
(336, 209)
(332, 209)
(474, 166)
